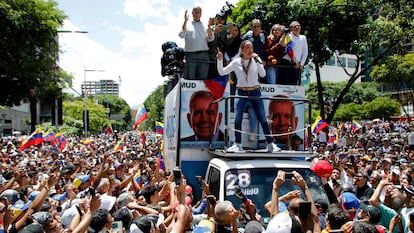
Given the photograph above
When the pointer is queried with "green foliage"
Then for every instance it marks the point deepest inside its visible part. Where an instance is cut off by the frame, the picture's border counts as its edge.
(46, 126)
(71, 126)
(117, 106)
(395, 69)
(72, 112)
(28, 49)
(371, 30)
(359, 93)
(381, 107)
(155, 108)
(348, 112)
(275, 11)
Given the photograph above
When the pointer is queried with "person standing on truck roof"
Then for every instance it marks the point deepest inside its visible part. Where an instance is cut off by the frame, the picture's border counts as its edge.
(247, 68)
(196, 48)
(204, 117)
(283, 121)
(297, 54)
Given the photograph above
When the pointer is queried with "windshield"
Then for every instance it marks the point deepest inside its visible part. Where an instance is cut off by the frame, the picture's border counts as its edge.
(257, 185)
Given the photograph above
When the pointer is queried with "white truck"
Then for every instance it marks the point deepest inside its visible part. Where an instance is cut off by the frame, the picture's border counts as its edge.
(252, 171)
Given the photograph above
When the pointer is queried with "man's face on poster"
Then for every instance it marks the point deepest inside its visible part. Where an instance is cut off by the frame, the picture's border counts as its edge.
(282, 116)
(203, 118)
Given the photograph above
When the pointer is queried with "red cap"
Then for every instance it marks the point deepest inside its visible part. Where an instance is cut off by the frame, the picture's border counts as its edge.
(188, 189)
(322, 168)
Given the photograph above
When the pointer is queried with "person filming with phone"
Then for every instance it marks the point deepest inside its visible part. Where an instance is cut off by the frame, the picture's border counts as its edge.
(303, 214)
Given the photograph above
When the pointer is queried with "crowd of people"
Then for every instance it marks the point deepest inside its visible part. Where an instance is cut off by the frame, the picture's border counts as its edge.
(368, 174)
(90, 187)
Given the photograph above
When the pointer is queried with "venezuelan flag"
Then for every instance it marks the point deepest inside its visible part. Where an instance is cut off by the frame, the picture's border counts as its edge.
(161, 158)
(108, 129)
(62, 143)
(141, 116)
(289, 46)
(159, 127)
(34, 139)
(121, 144)
(49, 136)
(320, 124)
(217, 86)
(333, 139)
(355, 126)
(87, 142)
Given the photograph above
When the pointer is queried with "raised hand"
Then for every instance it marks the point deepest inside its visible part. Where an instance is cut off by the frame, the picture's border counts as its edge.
(219, 55)
(186, 17)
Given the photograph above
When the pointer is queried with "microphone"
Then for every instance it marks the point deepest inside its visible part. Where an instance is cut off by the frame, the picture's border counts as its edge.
(256, 59)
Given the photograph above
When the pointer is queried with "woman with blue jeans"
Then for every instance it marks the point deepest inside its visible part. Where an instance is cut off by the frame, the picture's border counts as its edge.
(247, 68)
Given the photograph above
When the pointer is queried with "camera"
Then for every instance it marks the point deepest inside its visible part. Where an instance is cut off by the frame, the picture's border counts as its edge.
(226, 10)
(258, 11)
(286, 30)
(172, 60)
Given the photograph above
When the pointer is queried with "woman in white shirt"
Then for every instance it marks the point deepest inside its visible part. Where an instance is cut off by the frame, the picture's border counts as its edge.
(247, 68)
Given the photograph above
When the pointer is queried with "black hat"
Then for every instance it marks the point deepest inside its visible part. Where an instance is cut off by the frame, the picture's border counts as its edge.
(372, 212)
(322, 204)
(144, 222)
(32, 228)
(68, 169)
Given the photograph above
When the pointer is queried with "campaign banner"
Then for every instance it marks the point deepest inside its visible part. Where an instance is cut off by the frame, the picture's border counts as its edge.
(285, 110)
(171, 123)
(202, 119)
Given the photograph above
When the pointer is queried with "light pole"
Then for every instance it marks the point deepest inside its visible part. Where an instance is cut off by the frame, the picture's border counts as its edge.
(85, 111)
(56, 100)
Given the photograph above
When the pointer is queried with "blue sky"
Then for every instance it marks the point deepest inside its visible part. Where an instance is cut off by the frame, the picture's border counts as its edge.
(124, 40)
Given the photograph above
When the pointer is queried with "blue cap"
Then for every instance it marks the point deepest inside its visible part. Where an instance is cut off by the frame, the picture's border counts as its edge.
(33, 195)
(84, 178)
(349, 201)
(403, 160)
(282, 207)
(59, 197)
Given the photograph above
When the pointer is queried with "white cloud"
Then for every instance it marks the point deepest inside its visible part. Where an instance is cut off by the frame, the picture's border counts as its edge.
(145, 8)
(138, 60)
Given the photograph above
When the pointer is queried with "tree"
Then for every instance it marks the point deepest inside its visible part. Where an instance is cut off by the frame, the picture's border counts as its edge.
(381, 107)
(370, 30)
(116, 106)
(349, 112)
(73, 115)
(28, 51)
(361, 92)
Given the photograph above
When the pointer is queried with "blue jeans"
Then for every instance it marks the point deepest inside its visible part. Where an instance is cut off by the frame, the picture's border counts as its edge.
(271, 74)
(252, 116)
(258, 108)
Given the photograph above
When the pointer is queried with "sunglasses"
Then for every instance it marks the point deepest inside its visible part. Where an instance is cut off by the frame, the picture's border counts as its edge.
(3, 209)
